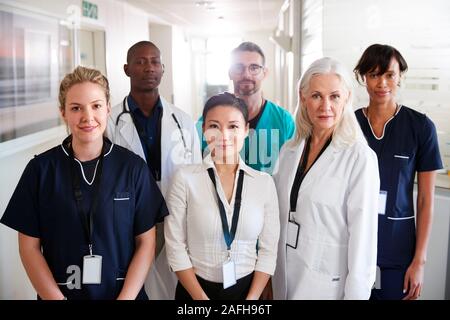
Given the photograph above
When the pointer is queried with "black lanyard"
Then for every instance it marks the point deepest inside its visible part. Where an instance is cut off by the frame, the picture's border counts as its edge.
(229, 235)
(154, 161)
(87, 226)
(301, 172)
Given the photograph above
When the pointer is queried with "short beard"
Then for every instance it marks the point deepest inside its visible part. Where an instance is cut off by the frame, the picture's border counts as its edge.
(247, 92)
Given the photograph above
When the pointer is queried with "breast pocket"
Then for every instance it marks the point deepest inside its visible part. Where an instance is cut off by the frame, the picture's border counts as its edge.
(403, 178)
(333, 261)
(123, 222)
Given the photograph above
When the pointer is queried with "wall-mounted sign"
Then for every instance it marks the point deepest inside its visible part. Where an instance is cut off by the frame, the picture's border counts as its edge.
(90, 10)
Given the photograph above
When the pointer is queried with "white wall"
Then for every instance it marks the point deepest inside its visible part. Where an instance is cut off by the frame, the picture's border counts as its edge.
(14, 283)
(124, 26)
(289, 37)
(182, 73)
(161, 36)
(437, 268)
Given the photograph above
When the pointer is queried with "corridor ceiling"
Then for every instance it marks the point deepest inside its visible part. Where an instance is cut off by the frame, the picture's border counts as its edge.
(215, 17)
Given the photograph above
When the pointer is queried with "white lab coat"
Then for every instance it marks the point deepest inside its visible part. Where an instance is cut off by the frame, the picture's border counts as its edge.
(337, 209)
(160, 283)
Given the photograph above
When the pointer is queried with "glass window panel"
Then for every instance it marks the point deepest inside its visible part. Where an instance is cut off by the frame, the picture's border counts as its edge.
(35, 54)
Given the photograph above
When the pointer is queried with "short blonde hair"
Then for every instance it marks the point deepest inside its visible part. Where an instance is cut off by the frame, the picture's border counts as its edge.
(80, 75)
(347, 130)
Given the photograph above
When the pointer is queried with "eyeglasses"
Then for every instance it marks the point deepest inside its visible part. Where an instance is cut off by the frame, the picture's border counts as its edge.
(253, 69)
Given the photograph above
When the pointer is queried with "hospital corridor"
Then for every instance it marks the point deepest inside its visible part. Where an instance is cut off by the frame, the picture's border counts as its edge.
(225, 149)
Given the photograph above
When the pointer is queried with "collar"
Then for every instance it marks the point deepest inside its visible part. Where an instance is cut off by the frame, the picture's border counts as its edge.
(209, 163)
(254, 122)
(133, 106)
(107, 145)
(364, 112)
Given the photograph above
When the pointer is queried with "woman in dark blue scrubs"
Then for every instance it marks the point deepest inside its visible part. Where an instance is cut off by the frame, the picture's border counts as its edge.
(405, 142)
(85, 210)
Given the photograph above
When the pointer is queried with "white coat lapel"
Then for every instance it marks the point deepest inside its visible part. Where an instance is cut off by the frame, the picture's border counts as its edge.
(295, 153)
(289, 159)
(128, 131)
(130, 135)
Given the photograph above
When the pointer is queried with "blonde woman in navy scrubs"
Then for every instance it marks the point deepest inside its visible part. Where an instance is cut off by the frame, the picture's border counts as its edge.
(85, 210)
(405, 142)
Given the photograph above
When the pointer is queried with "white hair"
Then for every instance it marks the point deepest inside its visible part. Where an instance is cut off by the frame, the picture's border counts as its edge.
(347, 130)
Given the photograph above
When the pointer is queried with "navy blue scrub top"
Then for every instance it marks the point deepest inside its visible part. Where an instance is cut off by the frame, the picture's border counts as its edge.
(129, 204)
(409, 145)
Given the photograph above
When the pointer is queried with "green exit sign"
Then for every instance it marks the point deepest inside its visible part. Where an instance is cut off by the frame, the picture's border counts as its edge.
(90, 10)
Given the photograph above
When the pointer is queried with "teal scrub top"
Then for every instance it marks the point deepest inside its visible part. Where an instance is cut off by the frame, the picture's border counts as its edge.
(263, 144)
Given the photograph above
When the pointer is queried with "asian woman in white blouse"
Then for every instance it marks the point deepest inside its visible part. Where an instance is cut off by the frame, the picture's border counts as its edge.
(220, 247)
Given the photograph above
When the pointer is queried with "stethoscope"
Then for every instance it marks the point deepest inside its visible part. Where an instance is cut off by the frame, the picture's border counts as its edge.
(187, 151)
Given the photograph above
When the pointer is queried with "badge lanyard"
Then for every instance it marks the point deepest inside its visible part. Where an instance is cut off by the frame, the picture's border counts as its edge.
(299, 176)
(301, 172)
(87, 226)
(229, 234)
(228, 268)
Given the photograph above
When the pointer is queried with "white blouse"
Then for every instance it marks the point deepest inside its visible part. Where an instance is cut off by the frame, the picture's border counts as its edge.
(193, 229)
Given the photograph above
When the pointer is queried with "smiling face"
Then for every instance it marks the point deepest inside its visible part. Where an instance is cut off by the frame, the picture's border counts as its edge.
(324, 100)
(382, 88)
(225, 131)
(144, 68)
(86, 112)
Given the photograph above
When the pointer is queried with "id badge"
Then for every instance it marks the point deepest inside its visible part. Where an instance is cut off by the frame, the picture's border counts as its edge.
(382, 198)
(229, 274)
(293, 230)
(92, 269)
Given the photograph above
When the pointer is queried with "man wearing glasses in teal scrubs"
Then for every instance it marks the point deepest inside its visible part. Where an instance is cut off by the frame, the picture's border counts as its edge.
(270, 125)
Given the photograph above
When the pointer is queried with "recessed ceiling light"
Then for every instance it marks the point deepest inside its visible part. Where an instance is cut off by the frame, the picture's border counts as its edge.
(203, 3)
(220, 17)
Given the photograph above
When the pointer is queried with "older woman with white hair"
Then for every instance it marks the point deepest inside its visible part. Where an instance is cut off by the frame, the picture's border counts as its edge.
(327, 182)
